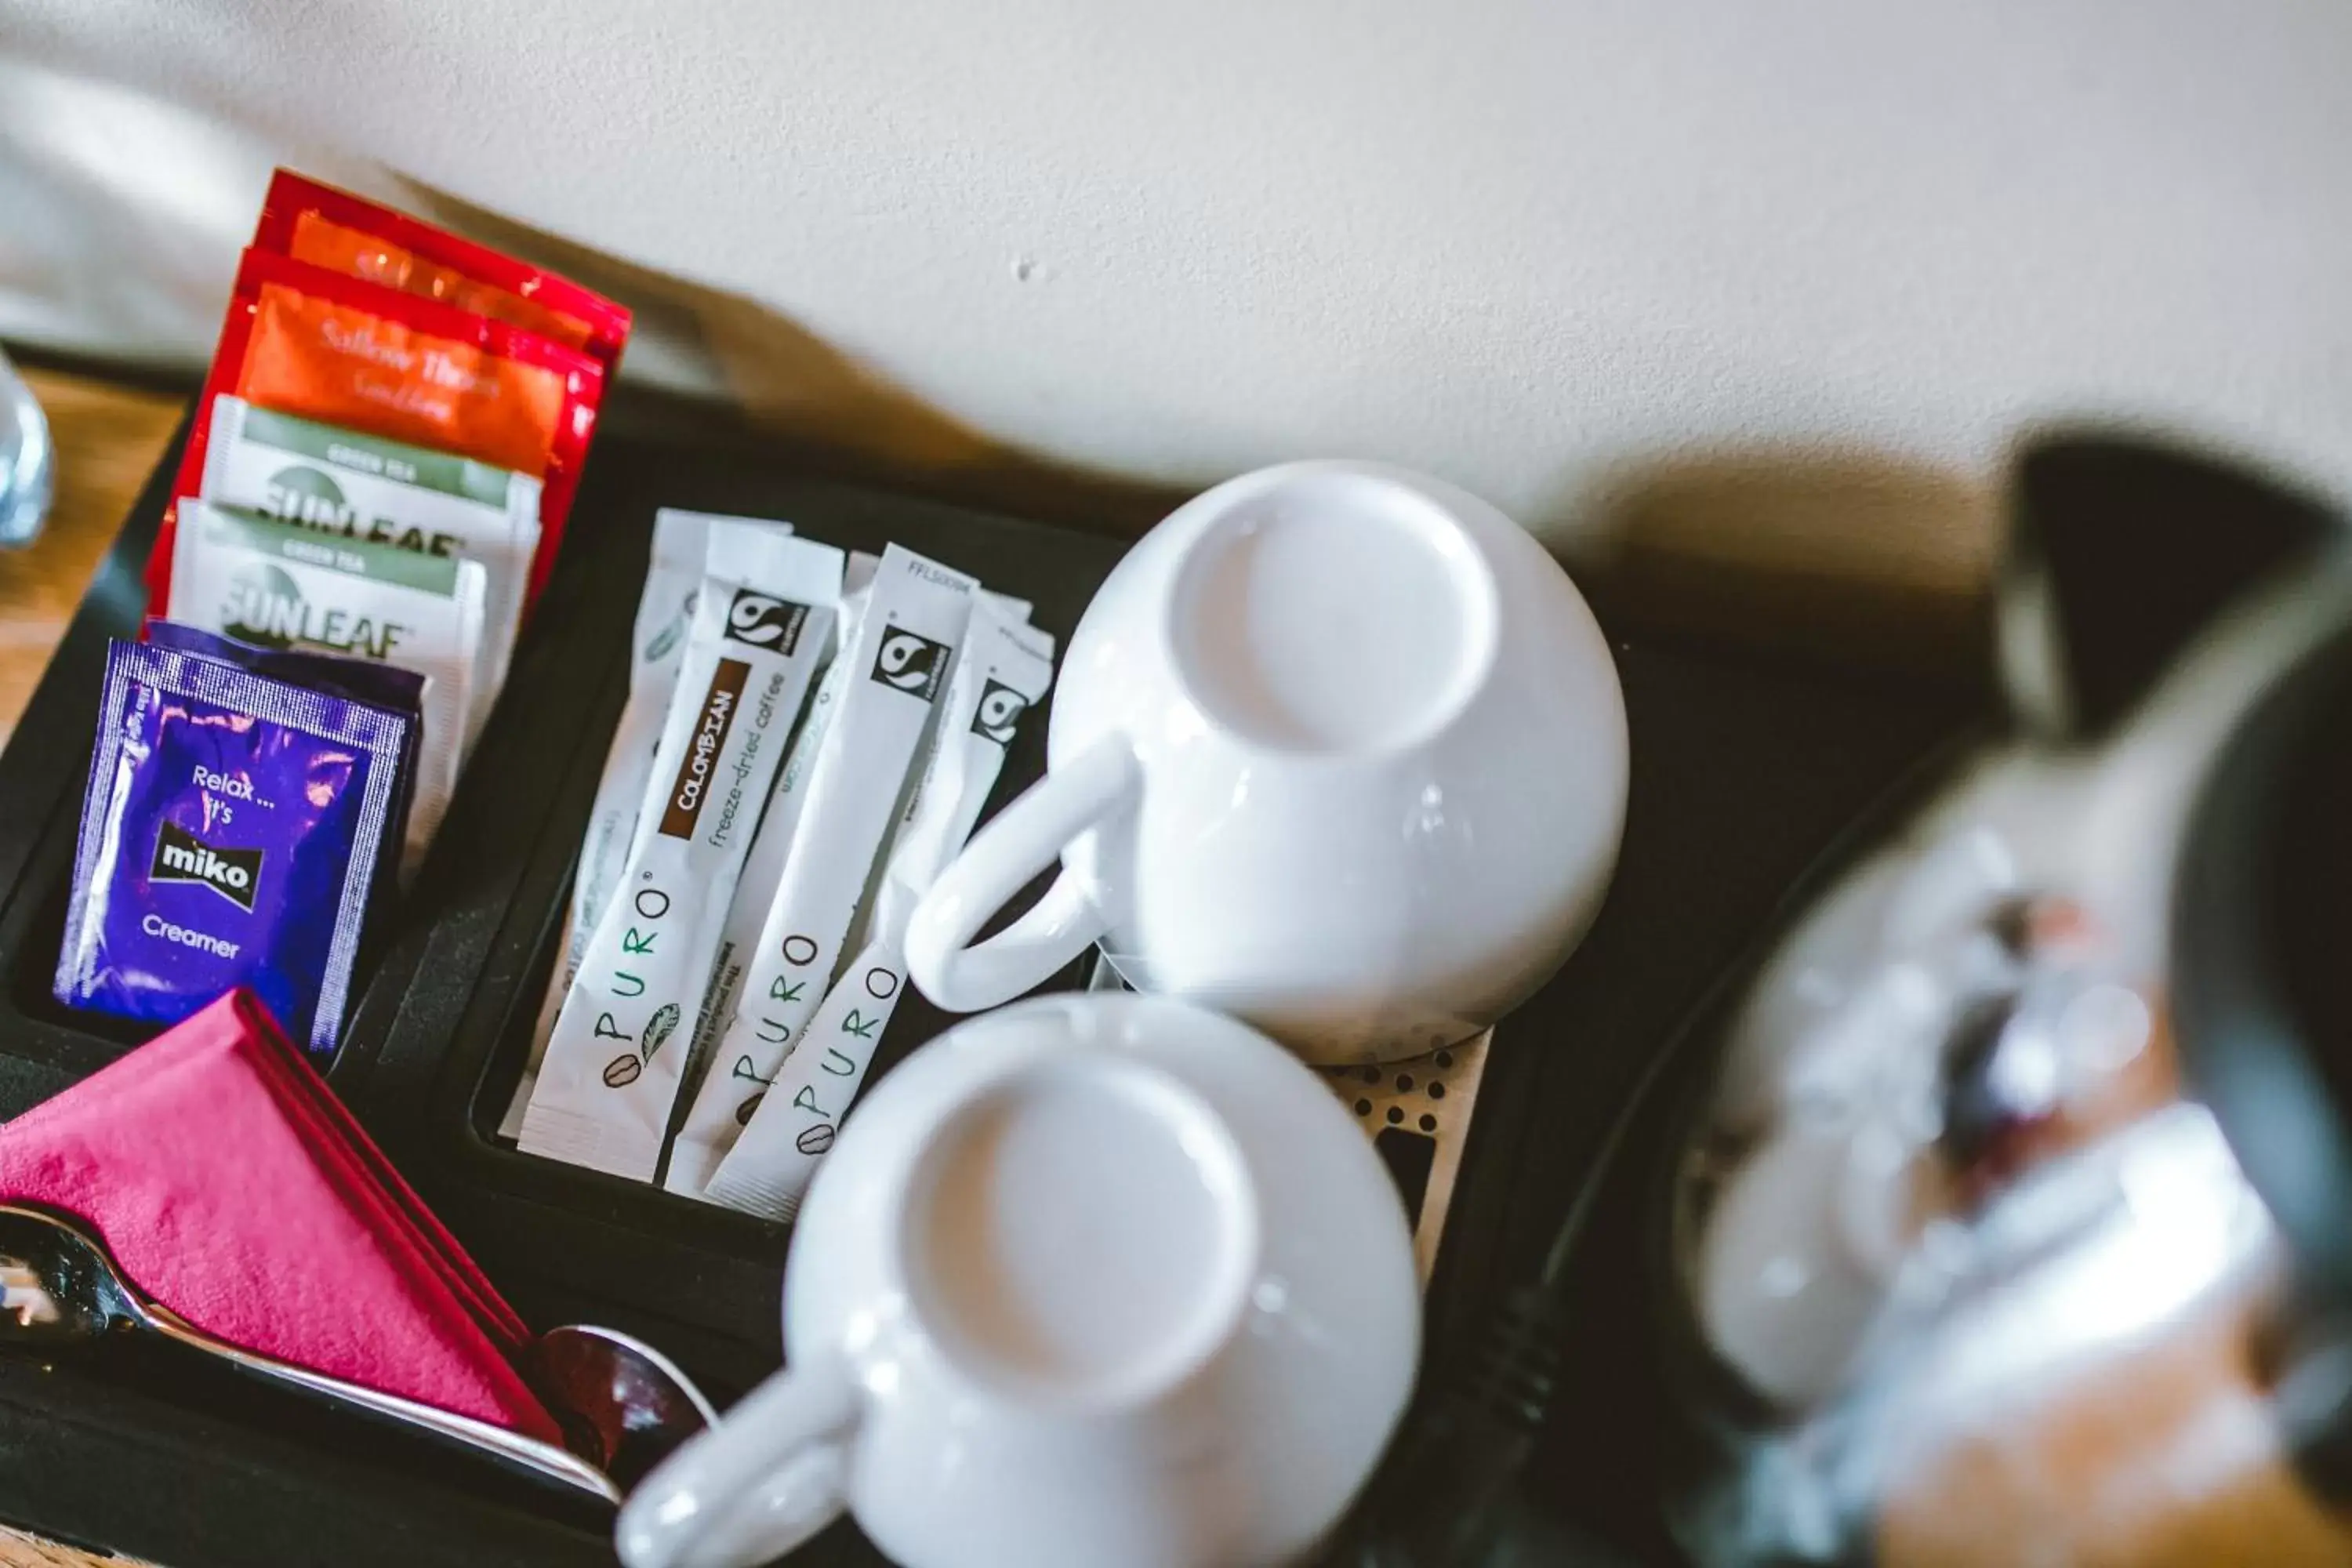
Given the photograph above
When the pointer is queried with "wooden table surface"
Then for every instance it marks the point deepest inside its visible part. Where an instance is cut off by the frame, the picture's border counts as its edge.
(108, 438)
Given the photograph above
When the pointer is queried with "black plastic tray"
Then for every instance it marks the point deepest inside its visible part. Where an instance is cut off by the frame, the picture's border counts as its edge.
(1742, 771)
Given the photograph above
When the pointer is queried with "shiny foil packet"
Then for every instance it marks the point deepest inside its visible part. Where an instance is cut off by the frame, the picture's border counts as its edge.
(384, 685)
(335, 229)
(231, 836)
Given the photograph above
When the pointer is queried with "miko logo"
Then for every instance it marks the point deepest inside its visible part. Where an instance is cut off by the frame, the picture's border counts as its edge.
(1001, 707)
(909, 662)
(182, 857)
(763, 622)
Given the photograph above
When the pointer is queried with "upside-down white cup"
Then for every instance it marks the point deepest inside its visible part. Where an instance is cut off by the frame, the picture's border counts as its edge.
(1338, 749)
(1092, 1281)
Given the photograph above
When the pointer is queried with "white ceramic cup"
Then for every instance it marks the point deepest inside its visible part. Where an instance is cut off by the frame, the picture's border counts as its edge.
(1095, 1280)
(1336, 749)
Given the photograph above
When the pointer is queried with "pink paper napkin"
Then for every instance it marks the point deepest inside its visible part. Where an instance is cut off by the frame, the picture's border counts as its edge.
(234, 1189)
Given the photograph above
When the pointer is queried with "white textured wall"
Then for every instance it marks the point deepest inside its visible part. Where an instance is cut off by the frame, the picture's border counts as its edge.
(1530, 244)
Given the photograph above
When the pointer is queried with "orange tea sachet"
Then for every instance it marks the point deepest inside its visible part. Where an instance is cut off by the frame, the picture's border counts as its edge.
(335, 229)
(325, 345)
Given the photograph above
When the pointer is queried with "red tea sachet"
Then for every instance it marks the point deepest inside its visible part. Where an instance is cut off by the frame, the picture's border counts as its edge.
(335, 229)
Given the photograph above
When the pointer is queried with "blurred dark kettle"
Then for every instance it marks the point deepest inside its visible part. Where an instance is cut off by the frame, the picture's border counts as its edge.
(2015, 1222)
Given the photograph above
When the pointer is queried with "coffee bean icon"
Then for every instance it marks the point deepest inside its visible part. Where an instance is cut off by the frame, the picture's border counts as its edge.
(622, 1071)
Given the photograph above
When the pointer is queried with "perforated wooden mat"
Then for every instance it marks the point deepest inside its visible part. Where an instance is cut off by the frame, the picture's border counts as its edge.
(1417, 1114)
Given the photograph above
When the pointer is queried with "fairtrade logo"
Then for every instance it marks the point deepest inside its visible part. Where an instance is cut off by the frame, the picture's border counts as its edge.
(909, 662)
(304, 495)
(1001, 707)
(182, 857)
(763, 622)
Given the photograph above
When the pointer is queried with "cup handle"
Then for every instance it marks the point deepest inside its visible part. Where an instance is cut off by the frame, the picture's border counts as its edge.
(1024, 839)
(768, 1477)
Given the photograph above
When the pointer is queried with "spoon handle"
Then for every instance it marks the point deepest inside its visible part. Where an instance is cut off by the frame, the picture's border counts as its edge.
(511, 1447)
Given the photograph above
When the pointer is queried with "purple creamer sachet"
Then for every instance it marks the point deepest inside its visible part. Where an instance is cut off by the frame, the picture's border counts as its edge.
(232, 834)
(387, 685)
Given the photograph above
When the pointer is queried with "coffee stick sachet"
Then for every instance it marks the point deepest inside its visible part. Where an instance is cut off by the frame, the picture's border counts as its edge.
(763, 869)
(896, 672)
(604, 1091)
(757, 887)
(1002, 670)
(656, 648)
